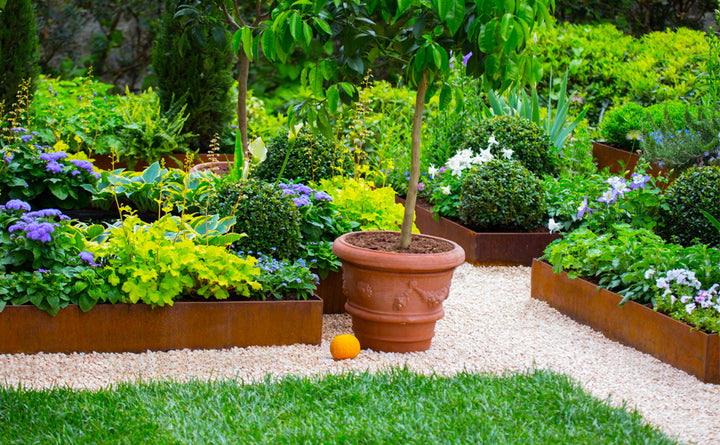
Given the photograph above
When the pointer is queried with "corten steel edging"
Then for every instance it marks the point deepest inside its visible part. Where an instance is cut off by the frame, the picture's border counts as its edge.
(138, 327)
(633, 324)
(485, 248)
(611, 157)
(176, 160)
(330, 292)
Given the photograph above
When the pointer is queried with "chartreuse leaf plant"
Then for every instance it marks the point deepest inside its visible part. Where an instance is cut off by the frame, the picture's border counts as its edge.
(161, 262)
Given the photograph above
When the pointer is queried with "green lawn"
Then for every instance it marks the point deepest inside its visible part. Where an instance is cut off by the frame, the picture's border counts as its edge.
(394, 407)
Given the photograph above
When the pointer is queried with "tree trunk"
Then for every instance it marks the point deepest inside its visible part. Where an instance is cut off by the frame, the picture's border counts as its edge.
(416, 140)
(242, 102)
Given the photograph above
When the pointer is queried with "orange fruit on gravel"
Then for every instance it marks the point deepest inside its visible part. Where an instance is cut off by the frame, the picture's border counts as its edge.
(344, 346)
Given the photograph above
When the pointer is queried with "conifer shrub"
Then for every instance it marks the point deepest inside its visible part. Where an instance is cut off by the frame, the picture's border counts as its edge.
(194, 68)
(502, 195)
(18, 50)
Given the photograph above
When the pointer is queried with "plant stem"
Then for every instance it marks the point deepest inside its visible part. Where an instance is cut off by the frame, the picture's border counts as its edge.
(242, 109)
(416, 140)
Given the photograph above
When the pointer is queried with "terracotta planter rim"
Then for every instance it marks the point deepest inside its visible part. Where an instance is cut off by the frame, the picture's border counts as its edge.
(431, 262)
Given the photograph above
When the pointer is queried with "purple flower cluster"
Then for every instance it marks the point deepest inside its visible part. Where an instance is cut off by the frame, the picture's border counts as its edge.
(85, 165)
(34, 225)
(303, 195)
(89, 258)
(619, 186)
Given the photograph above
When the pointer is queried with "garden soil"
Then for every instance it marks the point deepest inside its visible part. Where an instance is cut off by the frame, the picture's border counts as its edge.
(491, 325)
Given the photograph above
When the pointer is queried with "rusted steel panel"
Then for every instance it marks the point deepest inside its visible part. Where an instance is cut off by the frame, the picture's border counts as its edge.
(633, 324)
(485, 248)
(330, 292)
(137, 327)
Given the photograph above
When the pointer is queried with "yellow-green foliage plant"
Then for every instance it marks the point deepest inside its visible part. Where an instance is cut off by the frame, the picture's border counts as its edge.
(357, 200)
(161, 262)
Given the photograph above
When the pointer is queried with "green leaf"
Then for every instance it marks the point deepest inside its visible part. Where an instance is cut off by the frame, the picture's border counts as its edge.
(323, 25)
(403, 5)
(318, 6)
(247, 41)
(59, 190)
(267, 41)
(446, 95)
(505, 26)
(333, 95)
(307, 32)
(296, 25)
(455, 16)
(151, 174)
(356, 64)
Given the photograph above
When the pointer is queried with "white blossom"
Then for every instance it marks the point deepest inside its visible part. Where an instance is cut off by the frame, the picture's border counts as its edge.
(553, 226)
(507, 152)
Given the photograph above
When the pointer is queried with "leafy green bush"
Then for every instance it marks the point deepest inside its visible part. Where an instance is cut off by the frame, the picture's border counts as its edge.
(282, 278)
(264, 212)
(681, 218)
(622, 126)
(628, 125)
(528, 142)
(18, 51)
(194, 68)
(305, 157)
(359, 202)
(81, 112)
(147, 132)
(502, 195)
(607, 67)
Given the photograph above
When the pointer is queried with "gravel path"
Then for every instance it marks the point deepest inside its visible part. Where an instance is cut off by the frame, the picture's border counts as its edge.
(491, 324)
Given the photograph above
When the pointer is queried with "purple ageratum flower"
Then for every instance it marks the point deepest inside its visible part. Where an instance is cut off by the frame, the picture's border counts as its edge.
(584, 208)
(42, 271)
(45, 213)
(18, 130)
(302, 201)
(89, 258)
(40, 231)
(8, 157)
(53, 156)
(323, 196)
(74, 172)
(81, 163)
(54, 167)
(16, 204)
(26, 137)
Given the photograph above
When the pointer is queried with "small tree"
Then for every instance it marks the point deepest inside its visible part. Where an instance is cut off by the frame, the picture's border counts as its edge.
(18, 49)
(275, 26)
(423, 34)
(192, 73)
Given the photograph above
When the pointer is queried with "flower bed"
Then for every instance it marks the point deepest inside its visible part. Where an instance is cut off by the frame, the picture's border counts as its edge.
(632, 324)
(503, 249)
(138, 327)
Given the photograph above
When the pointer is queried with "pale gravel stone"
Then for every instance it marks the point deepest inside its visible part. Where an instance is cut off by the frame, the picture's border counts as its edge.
(491, 325)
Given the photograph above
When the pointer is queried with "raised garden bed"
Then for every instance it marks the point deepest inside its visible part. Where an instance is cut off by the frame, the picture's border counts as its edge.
(171, 161)
(620, 161)
(485, 248)
(632, 324)
(138, 328)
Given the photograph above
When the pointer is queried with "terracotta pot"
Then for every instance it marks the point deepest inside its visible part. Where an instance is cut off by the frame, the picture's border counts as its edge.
(620, 161)
(395, 298)
(219, 168)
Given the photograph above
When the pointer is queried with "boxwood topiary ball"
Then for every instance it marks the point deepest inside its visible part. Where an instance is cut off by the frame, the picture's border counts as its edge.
(263, 212)
(529, 143)
(680, 217)
(311, 158)
(502, 195)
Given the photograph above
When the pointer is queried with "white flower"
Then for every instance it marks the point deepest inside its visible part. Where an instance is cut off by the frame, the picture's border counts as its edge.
(685, 298)
(445, 189)
(432, 171)
(649, 273)
(486, 155)
(690, 308)
(553, 226)
(492, 141)
(507, 152)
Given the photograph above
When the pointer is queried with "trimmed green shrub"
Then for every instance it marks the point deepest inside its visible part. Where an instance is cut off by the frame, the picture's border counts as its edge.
(268, 216)
(608, 67)
(621, 127)
(502, 195)
(309, 158)
(680, 217)
(529, 143)
(194, 68)
(18, 50)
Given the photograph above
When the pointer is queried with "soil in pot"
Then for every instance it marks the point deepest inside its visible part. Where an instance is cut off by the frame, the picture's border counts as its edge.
(389, 242)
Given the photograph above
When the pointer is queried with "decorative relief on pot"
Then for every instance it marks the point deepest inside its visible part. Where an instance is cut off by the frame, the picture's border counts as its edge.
(431, 298)
(363, 290)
